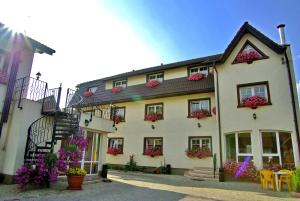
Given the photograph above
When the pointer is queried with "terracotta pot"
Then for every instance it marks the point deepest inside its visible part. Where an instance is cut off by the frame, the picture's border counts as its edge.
(75, 182)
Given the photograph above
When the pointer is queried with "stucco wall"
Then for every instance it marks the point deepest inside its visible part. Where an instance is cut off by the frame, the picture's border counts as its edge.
(175, 129)
(277, 116)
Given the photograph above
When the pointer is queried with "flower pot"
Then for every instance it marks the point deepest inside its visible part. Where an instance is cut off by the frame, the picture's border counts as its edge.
(75, 182)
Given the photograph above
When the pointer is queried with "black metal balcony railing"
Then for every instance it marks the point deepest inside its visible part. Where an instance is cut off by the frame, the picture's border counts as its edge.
(73, 100)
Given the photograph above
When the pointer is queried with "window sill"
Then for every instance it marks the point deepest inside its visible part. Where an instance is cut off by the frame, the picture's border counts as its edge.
(242, 106)
(152, 156)
(190, 117)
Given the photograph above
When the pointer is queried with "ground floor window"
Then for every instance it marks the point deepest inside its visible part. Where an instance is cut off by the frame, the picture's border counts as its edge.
(199, 142)
(238, 146)
(153, 146)
(90, 160)
(115, 146)
(277, 148)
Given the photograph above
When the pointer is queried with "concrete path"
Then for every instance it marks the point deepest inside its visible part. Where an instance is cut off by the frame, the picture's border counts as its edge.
(146, 187)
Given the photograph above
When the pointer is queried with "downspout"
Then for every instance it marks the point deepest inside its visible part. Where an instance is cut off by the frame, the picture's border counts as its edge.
(221, 169)
(293, 99)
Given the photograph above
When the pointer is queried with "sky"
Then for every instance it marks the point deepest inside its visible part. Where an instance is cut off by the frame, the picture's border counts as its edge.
(98, 38)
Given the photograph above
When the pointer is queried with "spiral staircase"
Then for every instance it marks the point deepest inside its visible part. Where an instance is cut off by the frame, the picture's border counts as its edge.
(54, 124)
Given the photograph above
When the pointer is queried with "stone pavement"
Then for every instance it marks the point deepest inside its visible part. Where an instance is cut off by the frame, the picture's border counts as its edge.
(146, 187)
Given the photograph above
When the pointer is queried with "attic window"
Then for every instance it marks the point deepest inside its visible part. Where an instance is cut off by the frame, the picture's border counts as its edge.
(198, 70)
(157, 76)
(248, 54)
(120, 84)
(92, 89)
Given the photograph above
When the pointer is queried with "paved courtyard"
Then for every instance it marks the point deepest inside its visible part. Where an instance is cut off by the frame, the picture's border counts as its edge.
(146, 187)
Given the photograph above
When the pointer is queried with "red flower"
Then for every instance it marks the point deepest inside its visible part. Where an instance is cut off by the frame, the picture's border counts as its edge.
(199, 153)
(254, 101)
(116, 89)
(239, 169)
(117, 119)
(214, 110)
(152, 117)
(200, 114)
(114, 151)
(196, 76)
(152, 83)
(87, 93)
(153, 151)
(247, 56)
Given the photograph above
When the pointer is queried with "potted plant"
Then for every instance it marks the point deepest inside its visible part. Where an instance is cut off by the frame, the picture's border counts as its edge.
(196, 77)
(152, 117)
(247, 57)
(254, 101)
(114, 151)
(198, 153)
(75, 178)
(296, 182)
(153, 151)
(116, 90)
(199, 114)
(152, 83)
(87, 94)
(70, 155)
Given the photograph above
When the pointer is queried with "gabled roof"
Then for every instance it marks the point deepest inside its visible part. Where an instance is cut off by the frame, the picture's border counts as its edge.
(247, 28)
(37, 46)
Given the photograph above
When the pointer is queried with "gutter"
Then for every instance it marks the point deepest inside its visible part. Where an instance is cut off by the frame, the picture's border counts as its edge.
(221, 169)
(293, 100)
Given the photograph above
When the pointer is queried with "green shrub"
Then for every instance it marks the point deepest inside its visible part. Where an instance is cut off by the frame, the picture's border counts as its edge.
(296, 180)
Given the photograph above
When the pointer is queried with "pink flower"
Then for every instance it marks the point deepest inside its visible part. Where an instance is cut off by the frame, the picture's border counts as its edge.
(254, 101)
(116, 89)
(199, 153)
(196, 76)
(200, 114)
(152, 117)
(114, 151)
(247, 56)
(153, 151)
(152, 83)
(87, 93)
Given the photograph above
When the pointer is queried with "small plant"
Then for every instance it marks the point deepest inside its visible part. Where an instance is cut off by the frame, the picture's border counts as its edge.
(199, 114)
(254, 101)
(199, 153)
(296, 180)
(131, 165)
(244, 169)
(247, 57)
(152, 83)
(153, 151)
(87, 94)
(116, 89)
(75, 171)
(114, 151)
(152, 117)
(196, 77)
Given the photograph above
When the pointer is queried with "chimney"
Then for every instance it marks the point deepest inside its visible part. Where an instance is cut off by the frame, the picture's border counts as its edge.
(281, 34)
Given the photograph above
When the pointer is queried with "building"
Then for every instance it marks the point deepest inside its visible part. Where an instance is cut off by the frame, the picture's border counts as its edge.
(243, 106)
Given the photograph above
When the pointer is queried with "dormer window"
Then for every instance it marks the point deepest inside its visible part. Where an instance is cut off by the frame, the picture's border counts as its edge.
(157, 76)
(200, 70)
(92, 89)
(120, 84)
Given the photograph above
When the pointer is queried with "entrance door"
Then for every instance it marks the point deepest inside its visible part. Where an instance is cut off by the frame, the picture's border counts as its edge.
(90, 160)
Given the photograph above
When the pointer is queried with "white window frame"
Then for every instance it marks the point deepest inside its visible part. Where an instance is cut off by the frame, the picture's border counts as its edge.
(160, 79)
(200, 69)
(118, 110)
(253, 91)
(201, 139)
(120, 83)
(207, 102)
(237, 145)
(154, 142)
(116, 142)
(92, 89)
(155, 108)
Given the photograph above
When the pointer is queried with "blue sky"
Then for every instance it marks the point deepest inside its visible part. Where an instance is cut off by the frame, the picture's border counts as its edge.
(99, 38)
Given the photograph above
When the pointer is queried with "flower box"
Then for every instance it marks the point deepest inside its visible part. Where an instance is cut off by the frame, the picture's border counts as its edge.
(153, 151)
(200, 114)
(116, 89)
(87, 94)
(244, 169)
(254, 101)
(196, 76)
(114, 151)
(152, 117)
(198, 153)
(247, 57)
(214, 110)
(152, 83)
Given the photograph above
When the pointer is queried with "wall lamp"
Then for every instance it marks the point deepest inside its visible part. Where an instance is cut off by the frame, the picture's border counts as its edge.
(254, 116)
(152, 126)
(199, 125)
(86, 122)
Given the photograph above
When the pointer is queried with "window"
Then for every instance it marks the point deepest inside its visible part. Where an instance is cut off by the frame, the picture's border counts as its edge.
(120, 112)
(202, 70)
(256, 89)
(238, 146)
(92, 89)
(156, 108)
(277, 148)
(154, 144)
(158, 76)
(199, 142)
(116, 143)
(199, 104)
(120, 83)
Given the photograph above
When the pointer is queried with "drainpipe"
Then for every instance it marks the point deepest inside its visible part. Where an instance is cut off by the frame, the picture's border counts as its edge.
(293, 99)
(221, 169)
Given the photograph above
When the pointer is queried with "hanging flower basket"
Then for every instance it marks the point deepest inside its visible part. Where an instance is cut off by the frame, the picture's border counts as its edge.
(198, 153)
(152, 117)
(247, 57)
(116, 89)
(254, 101)
(117, 119)
(153, 151)
(214, 110)
(87, 94)
(114, 151)
(195, 77)
(152, 83)
(200, 114)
